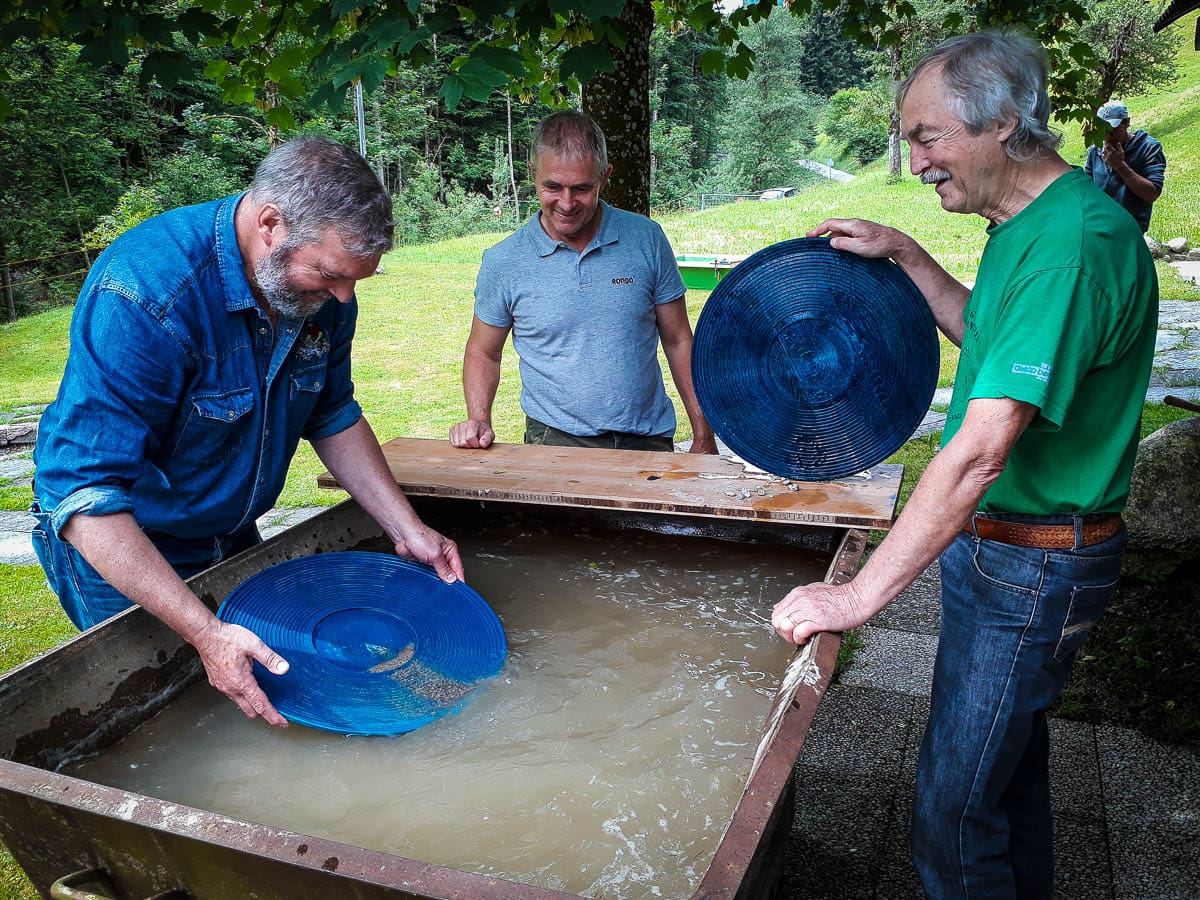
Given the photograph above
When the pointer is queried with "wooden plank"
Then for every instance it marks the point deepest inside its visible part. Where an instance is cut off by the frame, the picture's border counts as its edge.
(694, 484)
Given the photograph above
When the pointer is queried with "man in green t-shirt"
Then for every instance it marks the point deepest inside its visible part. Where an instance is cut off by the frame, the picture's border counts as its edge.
(1022, 502)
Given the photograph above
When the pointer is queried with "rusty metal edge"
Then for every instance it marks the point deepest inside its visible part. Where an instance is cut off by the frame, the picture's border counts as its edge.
(783, 736)
(261, 841)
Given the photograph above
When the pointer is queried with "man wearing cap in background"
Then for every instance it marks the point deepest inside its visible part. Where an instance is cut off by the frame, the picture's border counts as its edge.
(1022, 502)
(204, 346)
(587, 291)
(1128, 167)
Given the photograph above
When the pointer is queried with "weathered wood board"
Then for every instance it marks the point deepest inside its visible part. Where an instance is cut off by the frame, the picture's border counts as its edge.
(632, 479)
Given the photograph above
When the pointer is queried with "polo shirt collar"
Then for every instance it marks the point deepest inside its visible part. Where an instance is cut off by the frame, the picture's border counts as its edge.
(608, 233)
(238, 294)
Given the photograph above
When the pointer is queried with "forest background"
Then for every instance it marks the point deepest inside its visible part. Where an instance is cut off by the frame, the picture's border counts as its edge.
(87, 151)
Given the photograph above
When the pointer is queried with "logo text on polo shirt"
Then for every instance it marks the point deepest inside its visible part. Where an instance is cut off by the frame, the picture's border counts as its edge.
(628, 279)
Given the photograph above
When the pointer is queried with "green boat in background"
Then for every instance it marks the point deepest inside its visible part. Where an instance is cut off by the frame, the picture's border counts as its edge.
(703, 273)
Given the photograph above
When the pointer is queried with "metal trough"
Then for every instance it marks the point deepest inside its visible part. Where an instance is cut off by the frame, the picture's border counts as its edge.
(703, 273)
(92, 691)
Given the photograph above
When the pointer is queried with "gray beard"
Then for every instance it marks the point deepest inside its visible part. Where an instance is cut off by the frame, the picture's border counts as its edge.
(271, 274)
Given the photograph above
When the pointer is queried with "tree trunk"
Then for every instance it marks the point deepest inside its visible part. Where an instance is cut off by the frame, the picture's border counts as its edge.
(512, 174)
(894, 160)
(10, 307)
(619, 101)
(377, 116)
(1110, 69)
(78, 225)
(895, 60)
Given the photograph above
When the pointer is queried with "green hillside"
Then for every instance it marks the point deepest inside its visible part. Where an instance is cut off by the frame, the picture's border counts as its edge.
(1171, 114)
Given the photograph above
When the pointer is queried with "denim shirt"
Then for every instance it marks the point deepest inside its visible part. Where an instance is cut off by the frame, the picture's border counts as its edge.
(180, 404)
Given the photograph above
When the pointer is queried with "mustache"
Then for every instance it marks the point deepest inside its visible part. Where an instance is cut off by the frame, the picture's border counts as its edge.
(933, 176)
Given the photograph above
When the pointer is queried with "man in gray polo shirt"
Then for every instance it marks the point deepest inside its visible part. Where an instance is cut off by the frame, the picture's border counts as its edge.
(587, 291)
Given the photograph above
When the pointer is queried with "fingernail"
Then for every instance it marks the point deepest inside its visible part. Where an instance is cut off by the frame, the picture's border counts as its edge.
(281, 667)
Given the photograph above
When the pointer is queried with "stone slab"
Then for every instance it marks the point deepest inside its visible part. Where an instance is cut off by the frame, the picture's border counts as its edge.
(1152, 806)
(16, 549)
(891, 660)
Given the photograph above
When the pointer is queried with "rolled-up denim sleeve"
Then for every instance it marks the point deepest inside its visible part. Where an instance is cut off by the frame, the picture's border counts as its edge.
(101, 500)
(337, 410)
(117, 397)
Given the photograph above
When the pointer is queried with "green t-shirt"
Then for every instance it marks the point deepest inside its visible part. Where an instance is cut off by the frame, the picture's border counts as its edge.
(1063, 316)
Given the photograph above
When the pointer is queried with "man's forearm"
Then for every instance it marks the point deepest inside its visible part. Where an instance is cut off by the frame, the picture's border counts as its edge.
(945, 295)
(119, 550)
(1141, 186)
(679, 361)
(949, 491)
(355, 459)
(481, 379)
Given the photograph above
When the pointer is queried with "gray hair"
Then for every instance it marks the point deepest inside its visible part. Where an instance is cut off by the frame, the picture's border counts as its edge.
(318, 183)
(569, 133)
(991, 77)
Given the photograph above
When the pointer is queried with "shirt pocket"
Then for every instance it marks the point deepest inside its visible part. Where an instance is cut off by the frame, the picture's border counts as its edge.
(304, 390)
(217, 426)
(308, 383)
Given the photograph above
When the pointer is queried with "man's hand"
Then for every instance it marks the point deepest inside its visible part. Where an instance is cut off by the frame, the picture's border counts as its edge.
(943, 293)
(474, 433)
(864, 238)
(704, 444)
(228, 653)
(812, 608)
(1113, 155)
(425, 545)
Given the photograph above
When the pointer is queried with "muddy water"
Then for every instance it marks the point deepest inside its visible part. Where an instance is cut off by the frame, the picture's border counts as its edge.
(605, 760)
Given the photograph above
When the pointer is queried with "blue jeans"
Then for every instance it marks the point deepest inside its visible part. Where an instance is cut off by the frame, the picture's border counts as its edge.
(1013, 619)
(87, 598)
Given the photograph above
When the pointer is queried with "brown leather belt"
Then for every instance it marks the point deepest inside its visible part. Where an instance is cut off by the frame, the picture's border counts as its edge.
(1048, 537)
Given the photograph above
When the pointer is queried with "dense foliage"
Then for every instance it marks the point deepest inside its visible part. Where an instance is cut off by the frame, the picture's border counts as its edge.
(106, 120)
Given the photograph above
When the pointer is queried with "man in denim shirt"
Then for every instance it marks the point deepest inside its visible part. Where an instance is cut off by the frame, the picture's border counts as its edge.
(203, 347)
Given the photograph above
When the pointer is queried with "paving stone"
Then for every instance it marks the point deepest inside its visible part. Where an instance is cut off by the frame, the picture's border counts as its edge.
(848, 776)
(1152, 805)
(16, 549)
(897, 875)
(1157, 393)
(893, 661)
(859, 729)
(1180, 377)
(16, 468)
(918, 608)
(1179, 314)
(1167, 340)
(16, 520)
(1081, 869)
(1186, 358)
(933, 421)
(1075, 772)
(838, 835)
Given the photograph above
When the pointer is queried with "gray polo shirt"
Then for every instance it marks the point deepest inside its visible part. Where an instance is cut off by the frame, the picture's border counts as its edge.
(583, 324)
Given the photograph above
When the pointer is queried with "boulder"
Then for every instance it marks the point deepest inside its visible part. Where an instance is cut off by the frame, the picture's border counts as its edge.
(1163, 515)
(1178, 245)
(1154, 247)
